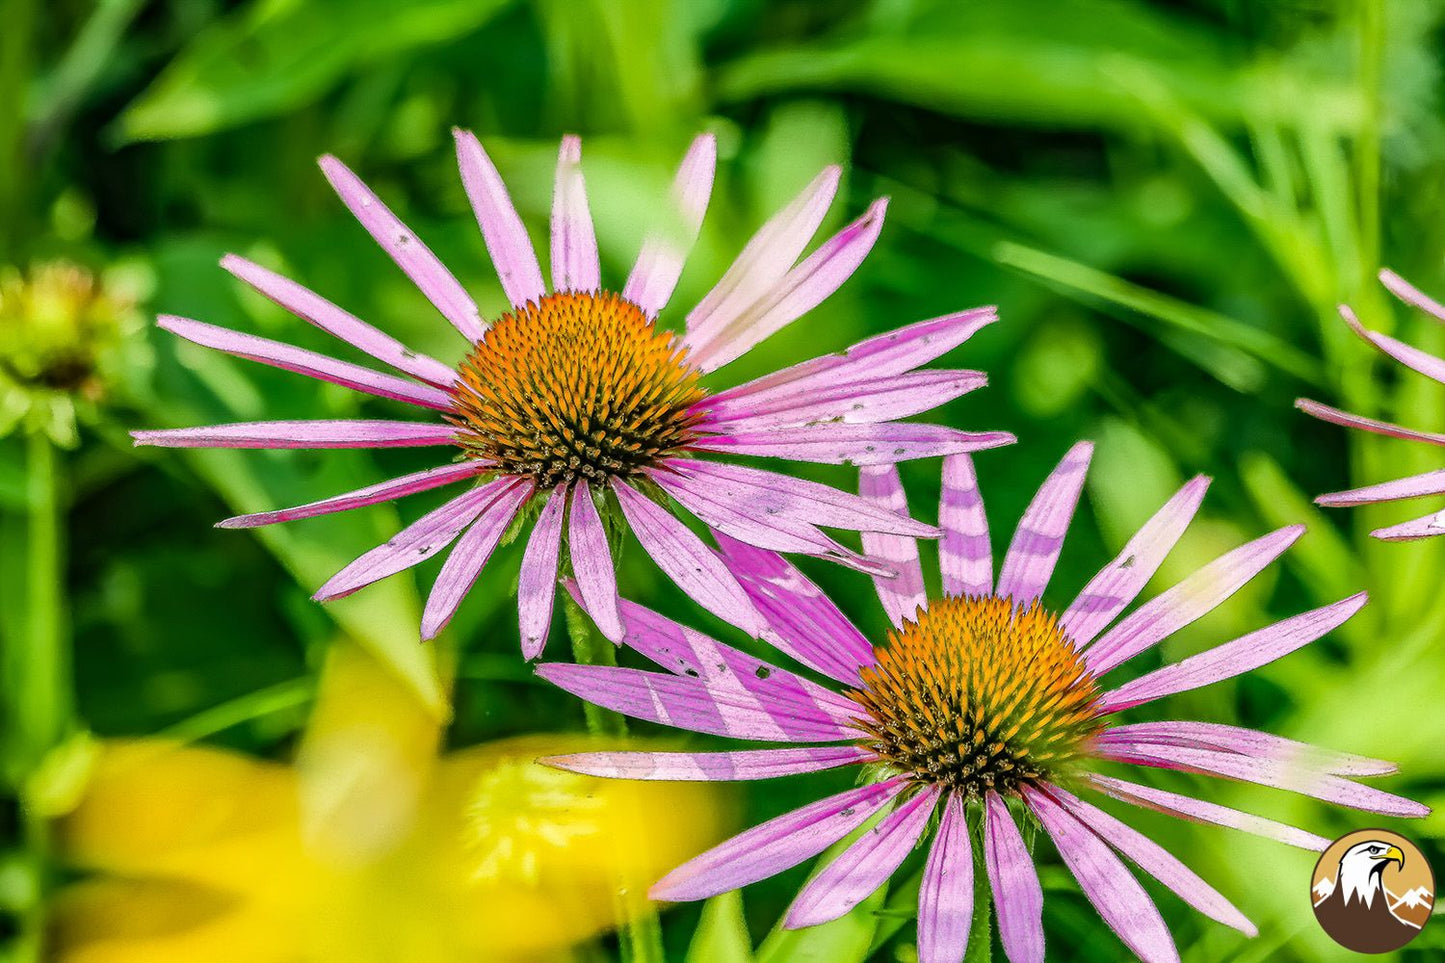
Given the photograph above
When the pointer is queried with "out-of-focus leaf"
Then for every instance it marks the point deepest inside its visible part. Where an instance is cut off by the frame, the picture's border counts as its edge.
(276, 55)
(722, 933)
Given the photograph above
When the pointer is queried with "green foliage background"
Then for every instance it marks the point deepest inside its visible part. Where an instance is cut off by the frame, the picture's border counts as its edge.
(1166, 200)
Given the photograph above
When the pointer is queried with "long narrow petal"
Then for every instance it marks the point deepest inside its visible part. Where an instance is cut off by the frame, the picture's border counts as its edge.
(841, 444)
(370, 495)
(685, 703)
(1347, 420)
(776, 845)
(1426, 527)
(502, 229)
(664, 250)
(414, 544)
(575, 265)
(864, 866)
(1200, 811)
(800, 291)
(537, 580)
(1121, 581)
(1414, 486)
(1034, 551)
(1411, 295)
(1225, 661)
(1196, 595)
(1107, 882)
(312, 307)
(965, 557)
(687, 561)
(767, 256)
(423, 267)
(865, 402)
(902, 596)
(711, 766)
(1252, 742)
(1156, 861)
(592, 562)
(339, 433)
(945, 898)
(1422, 361)
(803, 622)
(291, 358)
(465, 563)
(1018, 898)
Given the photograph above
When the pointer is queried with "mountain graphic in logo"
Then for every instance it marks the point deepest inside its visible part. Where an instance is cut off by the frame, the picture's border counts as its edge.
(1372, 891)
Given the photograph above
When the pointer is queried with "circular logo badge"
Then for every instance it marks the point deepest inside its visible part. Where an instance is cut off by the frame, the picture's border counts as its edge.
(1372, 891)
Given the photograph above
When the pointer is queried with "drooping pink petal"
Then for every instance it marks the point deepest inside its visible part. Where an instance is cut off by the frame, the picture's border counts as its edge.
(319, 366)
(338, 433)
(767, 256)
(592, 562)
(537, 580)
(1427, 527)
(711, 766)
(800, 291)
(945, 898)
(841, 444)
(1200, 811)
(687, 561)
(1018, 898)
(1225, 661)
(502, 229)
(1263, 772)
(664, 249)
(1337, 417)
(575, 265)
(1040, 534)
(1422, 361)
(903, 595)
(803, 622)
(965, 557)
(864, 866)
(1106, 881)
(370, 495)
(1411, 295)
(423, 267)
(311, 307)
(1121, 581)
(1196, 595)
(1252, 742)
(685, 703)
(414, 544)
(1156, 861)
(865, 402)
(1414, 486)
(776, 845)
(466, 561)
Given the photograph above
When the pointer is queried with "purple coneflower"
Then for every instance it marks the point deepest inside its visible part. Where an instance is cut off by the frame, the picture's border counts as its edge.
(1415, 486)
(982, 707)
(576, 398)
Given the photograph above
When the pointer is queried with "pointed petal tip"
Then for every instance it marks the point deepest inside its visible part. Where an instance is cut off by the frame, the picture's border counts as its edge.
(571, 147)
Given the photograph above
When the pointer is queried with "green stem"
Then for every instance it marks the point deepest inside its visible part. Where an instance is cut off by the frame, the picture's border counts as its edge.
(15, 53)
(980, 935)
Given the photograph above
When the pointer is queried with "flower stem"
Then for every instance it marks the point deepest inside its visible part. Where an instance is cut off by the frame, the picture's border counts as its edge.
(980, 935)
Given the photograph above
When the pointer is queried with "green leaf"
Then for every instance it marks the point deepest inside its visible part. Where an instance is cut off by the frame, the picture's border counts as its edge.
(722, 933)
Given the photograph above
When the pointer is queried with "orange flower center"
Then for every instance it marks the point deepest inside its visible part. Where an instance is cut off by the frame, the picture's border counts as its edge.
(978, 695)
(576, 385)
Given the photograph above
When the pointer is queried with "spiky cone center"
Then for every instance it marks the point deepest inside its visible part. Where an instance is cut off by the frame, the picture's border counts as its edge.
(978, 695)
(576, 386)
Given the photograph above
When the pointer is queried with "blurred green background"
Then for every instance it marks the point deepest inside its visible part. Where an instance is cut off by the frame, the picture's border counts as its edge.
(1166, 200)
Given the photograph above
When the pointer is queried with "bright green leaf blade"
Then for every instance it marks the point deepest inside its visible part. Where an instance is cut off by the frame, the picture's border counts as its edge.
(722, 933)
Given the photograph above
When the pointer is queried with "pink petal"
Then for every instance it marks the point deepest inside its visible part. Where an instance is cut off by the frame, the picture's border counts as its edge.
(537, 581)
(423, 267)
(865, 402)
(319, 366)
(840, 444)
(1233, 658)
(945, 899)
(339, 433)
(1107, 882)
(1040, 534)
(1192, 598)
(664, 250)
(1017, 896)
(1422, 361)
(864, 866)
(370, 495)
(1251, 742)
(1121, 581)
(800, 291)
(1199, 811)
(575, 265)
(311, 307)
(1411, 295)
(687, 561)
(466, 561)
(1415, 486)
(776, 845)
(502, 229)
(1427, 527)
(592, 562)
(902, 596)
(1338, 417)
(711, 766)
(965, 557)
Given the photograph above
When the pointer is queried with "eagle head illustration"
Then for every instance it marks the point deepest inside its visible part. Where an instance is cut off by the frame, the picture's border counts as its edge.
(1357, 908)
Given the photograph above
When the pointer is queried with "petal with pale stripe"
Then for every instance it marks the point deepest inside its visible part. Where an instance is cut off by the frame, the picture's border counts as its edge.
(711, 766)
(664, 250)
(1200, 811)
(592, 562)
(370, 495)
(339, 433)
(965, 557)
(903, 595)
(575, 265)
(945, 898)
(466, 561)
(1018, 898)
(537, 580)
(502, 229)
(1034, 551)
